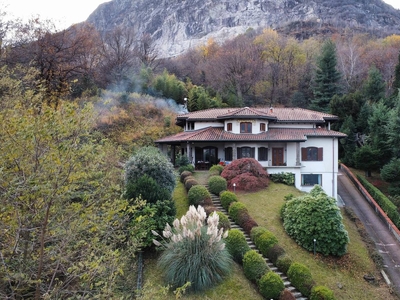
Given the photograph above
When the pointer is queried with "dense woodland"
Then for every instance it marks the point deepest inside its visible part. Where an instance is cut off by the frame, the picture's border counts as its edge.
(76, 104)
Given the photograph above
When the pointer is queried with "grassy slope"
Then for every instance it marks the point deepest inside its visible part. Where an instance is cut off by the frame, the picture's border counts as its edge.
(347, 271)
(264, 206)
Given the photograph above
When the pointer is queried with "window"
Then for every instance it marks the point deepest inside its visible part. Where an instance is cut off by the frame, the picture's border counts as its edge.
(229, 127)
(190, 126)
(245, 127)
(312, 154)
(245, 152)
(228, 154)
(262, 127)
(311, 179)
(262, 154)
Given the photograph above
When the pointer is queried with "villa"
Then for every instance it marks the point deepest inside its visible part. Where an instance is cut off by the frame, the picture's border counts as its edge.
(294, 140)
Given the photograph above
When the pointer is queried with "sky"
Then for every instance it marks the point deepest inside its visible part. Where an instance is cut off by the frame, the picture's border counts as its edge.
(64, 13)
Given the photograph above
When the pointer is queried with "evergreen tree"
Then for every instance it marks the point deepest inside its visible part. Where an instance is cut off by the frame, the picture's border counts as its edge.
(348, 145)
(396, 82)
(374, 87)
(379, 135)
(393, 129)
(362, 119)
(326, 78)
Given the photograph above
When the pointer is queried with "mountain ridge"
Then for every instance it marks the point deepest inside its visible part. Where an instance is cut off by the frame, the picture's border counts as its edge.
(176, 26)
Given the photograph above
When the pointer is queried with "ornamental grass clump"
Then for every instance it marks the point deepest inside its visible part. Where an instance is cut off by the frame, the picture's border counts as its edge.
(194, 251)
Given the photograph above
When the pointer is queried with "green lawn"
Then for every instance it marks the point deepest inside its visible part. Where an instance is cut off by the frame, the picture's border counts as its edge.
(344, 276)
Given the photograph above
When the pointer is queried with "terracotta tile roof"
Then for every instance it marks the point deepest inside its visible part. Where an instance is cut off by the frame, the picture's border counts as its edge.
(281, 114)
(217, 134)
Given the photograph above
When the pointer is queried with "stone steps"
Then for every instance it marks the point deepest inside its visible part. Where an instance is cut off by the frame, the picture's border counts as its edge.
(217, 204)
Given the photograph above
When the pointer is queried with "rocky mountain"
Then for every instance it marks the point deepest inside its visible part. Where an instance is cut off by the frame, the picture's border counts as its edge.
(178, 25)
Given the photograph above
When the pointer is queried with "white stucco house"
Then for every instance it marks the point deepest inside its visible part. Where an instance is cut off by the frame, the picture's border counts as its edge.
(294, 140)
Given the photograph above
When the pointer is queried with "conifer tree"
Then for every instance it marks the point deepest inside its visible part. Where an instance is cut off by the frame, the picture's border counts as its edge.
(396, 82)
(374, 87)
(326, 78)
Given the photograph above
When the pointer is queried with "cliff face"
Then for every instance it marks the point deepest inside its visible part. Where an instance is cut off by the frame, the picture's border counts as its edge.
(177, 25)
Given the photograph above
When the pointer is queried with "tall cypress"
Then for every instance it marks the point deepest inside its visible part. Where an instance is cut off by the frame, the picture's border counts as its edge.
(326, 78)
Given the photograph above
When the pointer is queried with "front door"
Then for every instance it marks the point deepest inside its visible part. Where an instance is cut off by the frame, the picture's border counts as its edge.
(277, 156)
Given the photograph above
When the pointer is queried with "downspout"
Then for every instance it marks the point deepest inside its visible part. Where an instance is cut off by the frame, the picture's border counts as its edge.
(333, 167)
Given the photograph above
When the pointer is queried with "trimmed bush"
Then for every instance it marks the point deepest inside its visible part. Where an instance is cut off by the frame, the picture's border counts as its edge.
(246, 221)
(271, 285)
(198, 194)
(283, 263)
(234, 209)
(227, 198)
(190, 182)
(301, 278)
(265, 242)
(256, 232)
(286, 295)
(217, 184)
(223, 221)
(254, 265)
(247, 174)
(321, 292)
(283, 177)
(185, 174)
(216, 169)
(182, 160)
(189, 168)
(236, 244)
(274, 252)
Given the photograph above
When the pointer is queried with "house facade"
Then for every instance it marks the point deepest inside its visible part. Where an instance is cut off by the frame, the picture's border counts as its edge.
(294, 140)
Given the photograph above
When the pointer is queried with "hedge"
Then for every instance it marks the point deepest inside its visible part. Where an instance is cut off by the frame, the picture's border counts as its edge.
(321, 293)
(198, 194)
(234, 210)
(217, 184)
(226, 198)
(387, 206)
(265, 242)
(271, 285)
(236, 244)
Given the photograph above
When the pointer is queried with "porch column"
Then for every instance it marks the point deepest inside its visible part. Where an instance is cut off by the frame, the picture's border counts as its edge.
(188, 152)
(298, 154)
(173, 154)
(234, 151)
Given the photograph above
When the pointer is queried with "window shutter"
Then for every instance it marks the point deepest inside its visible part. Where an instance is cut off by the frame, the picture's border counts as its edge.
(304, 154)
(252, 152)
(239, 152)
(320, 154)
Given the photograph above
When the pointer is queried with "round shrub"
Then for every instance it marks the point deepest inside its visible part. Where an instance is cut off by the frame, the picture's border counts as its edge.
(198, 194)
(254, 265)
(265, 242)
(153, 163)
(146, 188)
(256, 232)
(234, 209)
(189, 183)
(227, 198)
(236, 244)
(247, 173)
(223, 221)
(286, 295)
(274, 252)
(189, 168)
(185, 174)
(216, 169)
(321, 292)
(216, 184)
(283, 263)
(271, 285)
(301, 278)
(316, 216)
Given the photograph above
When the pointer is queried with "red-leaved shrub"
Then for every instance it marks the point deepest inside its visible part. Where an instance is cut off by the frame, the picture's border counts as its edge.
(246, 173)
